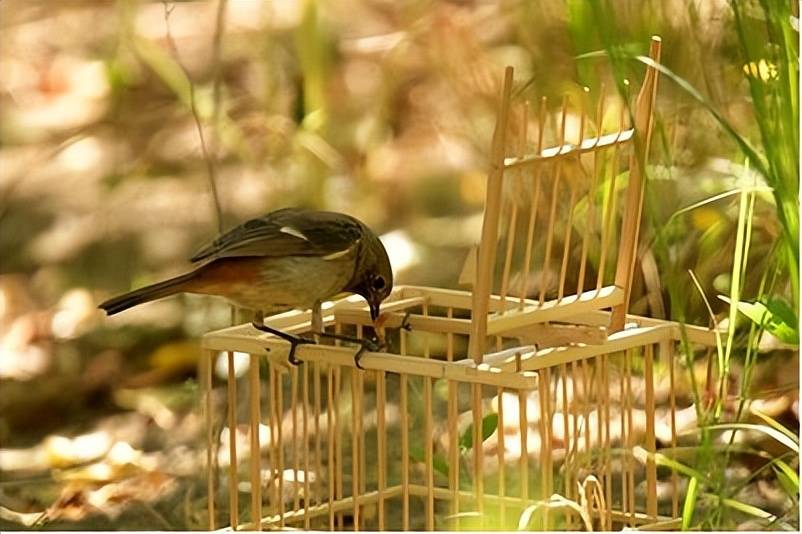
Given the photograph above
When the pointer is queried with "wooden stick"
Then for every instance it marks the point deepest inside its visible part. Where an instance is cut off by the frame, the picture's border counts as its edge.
(487, 246)
(256, 467)
(591, 214)
(566, 245)
(630, 439)
(330, 443)
(604, 360)
(453, 435)
(565, 151)
(651, 444)
(502, 466)
(305, 445)
(316, 422)
(553, 210)
(278, 393)
(523, 427)
(381, 443)
(296, 461)
(667, 349)
(569, 489)
(233, 479)
(546, 412)
(404, 453)
(355, 457)
(338, 445)
(478, 453)
(530, 233)
(207, 372)
(428, 434)
(630, 226)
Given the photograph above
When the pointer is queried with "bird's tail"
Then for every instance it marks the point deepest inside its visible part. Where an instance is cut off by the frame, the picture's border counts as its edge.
(147, 293)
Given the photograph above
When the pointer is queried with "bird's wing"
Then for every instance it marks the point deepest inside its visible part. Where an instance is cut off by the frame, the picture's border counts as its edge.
(287, 232)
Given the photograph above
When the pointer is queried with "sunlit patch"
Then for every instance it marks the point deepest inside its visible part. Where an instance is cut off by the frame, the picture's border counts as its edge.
(242, 361)
(762, 69)
(400, 249)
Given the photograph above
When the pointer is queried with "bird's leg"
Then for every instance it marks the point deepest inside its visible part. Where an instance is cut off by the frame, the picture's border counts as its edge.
(365, 344)
(294, 341)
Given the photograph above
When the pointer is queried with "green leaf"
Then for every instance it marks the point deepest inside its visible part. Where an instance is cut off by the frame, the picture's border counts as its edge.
(690, 503)
(440, 464)
(775, 316)
(771, 432)
(788, 479)
(489, 425)
(417, 454)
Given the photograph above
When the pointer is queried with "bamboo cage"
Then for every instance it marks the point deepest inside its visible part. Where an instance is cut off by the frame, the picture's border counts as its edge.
(488, 403)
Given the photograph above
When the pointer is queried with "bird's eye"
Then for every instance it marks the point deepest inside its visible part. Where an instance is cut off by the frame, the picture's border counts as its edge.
(378, 283)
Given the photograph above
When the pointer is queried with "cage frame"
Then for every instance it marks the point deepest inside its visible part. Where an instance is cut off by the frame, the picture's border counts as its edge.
(568, 331)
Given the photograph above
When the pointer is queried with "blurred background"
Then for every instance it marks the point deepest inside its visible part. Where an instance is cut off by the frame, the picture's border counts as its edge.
(378, 108)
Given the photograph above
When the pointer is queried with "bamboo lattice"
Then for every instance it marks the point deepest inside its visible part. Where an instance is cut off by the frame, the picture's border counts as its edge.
(534, 384)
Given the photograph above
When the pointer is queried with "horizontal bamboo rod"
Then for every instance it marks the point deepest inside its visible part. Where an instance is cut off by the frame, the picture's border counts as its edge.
(554, 311)
(549, 357)
(588, 145)
(340, 505)
(377, 361)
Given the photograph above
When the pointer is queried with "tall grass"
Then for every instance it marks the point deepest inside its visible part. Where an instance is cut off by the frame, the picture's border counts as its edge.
(768, 56)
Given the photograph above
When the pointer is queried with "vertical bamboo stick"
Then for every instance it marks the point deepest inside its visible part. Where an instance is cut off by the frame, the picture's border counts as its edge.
(404, 422)
(404, 454)
(296, 453)
(305, 444)
(530, 232)
(355, 458)
(609, 210)
(523, 428)
(339, 463)
(233, 490)
(591, 214)
(546, 440)
(478, 456)
(630, 225)
(487, 245)
(256, 467)
(669, 352)
(330, 443)
(502, 465)
(318, 438)
(428, 434)
(381, 443)
(630, 440)
(453, 434)
(207, 373)
(604, 360)
(566, 244)
(278, 395)
(553, 209)
(567, 442)
(651, 444)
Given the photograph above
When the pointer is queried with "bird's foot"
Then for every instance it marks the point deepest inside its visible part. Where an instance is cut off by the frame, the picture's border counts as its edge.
(405, 322)
(292, 339)
(365, 344)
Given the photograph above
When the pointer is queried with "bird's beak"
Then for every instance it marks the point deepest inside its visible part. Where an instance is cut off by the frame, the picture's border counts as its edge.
(374, 310)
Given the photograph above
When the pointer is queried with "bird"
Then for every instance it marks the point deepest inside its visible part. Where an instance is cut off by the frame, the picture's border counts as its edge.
(288, 258)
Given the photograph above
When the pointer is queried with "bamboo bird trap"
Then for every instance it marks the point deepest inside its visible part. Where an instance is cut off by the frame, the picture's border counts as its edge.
(530, 398)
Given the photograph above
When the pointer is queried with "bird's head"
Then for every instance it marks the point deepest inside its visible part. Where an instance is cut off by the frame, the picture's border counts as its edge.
(373, 279)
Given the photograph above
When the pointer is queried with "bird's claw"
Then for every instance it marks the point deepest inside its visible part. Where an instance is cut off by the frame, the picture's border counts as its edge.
(405, 322)
(366, 345)
(294, 345)
(293, 340)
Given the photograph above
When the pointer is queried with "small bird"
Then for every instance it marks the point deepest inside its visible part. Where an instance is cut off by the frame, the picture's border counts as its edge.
(289, 258)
